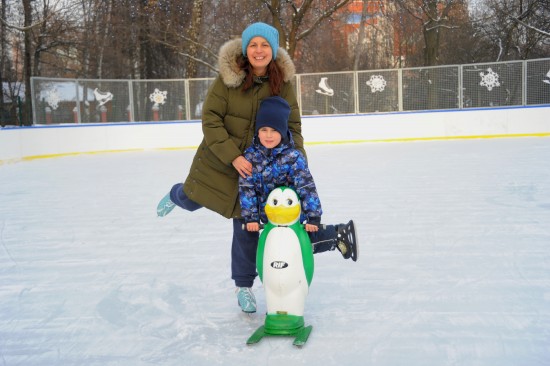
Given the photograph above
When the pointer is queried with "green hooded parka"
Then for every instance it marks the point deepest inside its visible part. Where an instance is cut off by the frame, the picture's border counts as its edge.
(228, 119)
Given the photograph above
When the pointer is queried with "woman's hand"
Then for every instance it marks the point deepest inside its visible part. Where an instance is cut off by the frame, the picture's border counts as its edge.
(311, 228)
(243, 166)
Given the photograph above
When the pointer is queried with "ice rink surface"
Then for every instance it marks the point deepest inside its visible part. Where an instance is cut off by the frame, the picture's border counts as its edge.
(454, 267)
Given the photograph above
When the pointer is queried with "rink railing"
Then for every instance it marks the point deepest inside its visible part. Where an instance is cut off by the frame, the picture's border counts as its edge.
(450, 87)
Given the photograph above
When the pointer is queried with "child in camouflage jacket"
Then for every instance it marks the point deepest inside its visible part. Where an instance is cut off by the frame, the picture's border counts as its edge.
(276, 162)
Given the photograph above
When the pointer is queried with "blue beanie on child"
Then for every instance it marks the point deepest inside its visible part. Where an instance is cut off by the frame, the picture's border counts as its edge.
(274, 113)
(266, 31)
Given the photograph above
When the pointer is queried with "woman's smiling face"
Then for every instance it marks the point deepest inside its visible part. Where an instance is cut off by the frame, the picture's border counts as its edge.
(259, 54)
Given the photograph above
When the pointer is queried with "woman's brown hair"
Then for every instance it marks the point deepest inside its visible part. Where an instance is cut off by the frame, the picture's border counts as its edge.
(273, 71)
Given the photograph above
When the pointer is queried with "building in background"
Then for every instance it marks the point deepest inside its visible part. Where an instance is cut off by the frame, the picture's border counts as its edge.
(372, 44)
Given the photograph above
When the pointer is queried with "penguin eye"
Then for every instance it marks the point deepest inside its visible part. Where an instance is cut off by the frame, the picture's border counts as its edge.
(289, 202)
(275, 202)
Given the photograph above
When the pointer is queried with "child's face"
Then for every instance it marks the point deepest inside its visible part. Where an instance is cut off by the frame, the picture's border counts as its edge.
(269, 137)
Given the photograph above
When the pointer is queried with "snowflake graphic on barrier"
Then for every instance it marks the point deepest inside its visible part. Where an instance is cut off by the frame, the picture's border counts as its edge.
(158, 97)
(376, 83)
(52, 98)
(490, 80)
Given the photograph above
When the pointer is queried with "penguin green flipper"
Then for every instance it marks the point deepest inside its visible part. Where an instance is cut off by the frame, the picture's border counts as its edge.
(307, 250)
(261, 248)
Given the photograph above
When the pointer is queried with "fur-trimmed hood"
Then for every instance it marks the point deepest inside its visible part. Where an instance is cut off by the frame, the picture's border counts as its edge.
(233, 77)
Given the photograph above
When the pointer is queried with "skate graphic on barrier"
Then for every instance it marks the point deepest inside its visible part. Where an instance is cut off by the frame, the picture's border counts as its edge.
(285, 266)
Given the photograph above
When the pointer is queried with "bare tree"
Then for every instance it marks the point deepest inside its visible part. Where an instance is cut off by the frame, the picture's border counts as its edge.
(92, 36)
(409, 42)
(371, 41)
(42, 31)
(27, 11)
(296, 20)
(515, 29)
(3, 37)
(11, 85)
(3, 43)
(460, 44)
(53, 37)
(535, 16)
(433, 17)
(361, 36)
(194, 29)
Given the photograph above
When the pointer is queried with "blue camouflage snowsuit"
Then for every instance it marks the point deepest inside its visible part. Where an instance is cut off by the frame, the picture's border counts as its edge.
(283, 165)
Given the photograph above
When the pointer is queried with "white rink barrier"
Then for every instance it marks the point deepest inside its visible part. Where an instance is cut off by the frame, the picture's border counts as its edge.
(24, 143)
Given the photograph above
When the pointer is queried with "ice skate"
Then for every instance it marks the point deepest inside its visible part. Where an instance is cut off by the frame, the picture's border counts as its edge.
(246, 299)
(165, 206)
(347, 241)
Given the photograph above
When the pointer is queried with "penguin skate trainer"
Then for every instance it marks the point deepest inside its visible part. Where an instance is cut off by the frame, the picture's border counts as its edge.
(285, 265)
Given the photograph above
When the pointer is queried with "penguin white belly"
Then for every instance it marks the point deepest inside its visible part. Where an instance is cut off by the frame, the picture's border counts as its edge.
(284, 277)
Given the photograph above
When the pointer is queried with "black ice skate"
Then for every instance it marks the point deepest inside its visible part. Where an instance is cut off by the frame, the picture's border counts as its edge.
(347, 241)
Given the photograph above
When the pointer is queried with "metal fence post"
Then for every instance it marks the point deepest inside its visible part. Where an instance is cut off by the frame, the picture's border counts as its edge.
(20, 111)
(400, 89)
(187, 100)
(299, 92)
(356, 91)
(524, 83)
(460, 88)
(131, 101)
(33, 103)
(78, 116)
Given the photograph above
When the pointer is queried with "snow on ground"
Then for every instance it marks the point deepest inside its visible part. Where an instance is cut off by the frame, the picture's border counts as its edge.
(454, 266)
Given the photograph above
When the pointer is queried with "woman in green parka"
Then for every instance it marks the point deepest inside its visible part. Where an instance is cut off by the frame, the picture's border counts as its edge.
(250, 69)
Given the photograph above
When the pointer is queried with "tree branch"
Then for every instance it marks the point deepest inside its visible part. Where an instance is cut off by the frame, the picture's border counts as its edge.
(34, 25)
(22, 29)
(327, 13)
(210, 66)
(530, 27)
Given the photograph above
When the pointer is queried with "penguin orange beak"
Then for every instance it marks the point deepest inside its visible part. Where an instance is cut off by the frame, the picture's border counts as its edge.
(281, 215)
